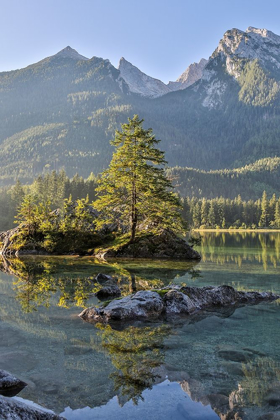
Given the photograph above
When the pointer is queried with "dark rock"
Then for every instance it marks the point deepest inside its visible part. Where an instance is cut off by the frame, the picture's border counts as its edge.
(211, 296)
(166, 244)
(102, 278)
(110, 290)
(273, 396)
(12, 409)
(184, 300)
(9, 384)
(233, 368)
(234, 355)
(255, 352)
(178, 303)
(144, 304)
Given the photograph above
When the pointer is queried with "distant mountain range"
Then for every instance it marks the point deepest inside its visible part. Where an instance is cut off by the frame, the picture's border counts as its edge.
(139, 82)
(220, 113)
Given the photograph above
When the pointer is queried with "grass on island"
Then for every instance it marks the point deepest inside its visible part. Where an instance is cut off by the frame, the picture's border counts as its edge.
(121, 240)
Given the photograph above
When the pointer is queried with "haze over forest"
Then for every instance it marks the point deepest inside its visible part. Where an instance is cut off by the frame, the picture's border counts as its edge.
(61, 113)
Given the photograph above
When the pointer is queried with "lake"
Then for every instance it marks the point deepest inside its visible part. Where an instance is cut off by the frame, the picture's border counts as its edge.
(223, 364)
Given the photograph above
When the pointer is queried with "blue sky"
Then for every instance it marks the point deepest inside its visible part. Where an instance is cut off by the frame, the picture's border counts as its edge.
(161, 37)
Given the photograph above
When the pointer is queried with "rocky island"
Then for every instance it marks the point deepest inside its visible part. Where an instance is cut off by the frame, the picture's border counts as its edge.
(172, 301)
(165, 244)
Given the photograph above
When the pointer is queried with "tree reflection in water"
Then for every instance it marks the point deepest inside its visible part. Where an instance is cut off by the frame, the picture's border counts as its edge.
(135, 352)
(37, 281)
(239, 246)
(260, 384)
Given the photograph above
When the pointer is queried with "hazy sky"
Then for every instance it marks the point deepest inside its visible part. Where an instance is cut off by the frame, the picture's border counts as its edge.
(161, 37)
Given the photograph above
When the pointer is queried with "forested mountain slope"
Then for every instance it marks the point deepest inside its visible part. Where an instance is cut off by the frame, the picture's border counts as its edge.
(249, 181)
(63, 111)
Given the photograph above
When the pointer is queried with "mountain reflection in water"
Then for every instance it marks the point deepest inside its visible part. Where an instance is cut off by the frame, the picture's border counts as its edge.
(221, 364)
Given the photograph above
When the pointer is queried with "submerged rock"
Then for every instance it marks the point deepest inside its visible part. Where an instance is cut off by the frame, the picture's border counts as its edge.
(109, 287)
(13, 409)
(102, 278)
(9, 384)
(184, 300)
(109, 290)
(235, 355)
(166, 244)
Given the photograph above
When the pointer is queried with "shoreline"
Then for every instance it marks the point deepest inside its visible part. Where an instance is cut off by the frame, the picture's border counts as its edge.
(236, 230)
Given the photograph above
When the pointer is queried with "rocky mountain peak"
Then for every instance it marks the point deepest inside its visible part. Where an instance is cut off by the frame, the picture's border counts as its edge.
(265, 33)
(253, 44)
(124, 62)
(69, 52)
(140, 82)
(191, 75)
(234, 53)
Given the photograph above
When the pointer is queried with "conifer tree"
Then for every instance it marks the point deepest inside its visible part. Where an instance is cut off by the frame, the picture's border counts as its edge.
(28, 214)
(196, 215)
(135, 188)
(264, 209)
(17, 193)
(211, 214)
(204, 212)
(277, 215)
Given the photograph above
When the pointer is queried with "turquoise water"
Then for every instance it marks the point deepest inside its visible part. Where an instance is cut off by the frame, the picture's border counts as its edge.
(210, 366)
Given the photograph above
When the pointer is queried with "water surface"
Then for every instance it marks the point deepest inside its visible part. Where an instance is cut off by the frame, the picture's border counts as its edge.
(202, 367)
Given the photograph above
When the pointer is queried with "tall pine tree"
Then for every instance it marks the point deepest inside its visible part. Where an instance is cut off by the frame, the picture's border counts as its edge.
(134, 189)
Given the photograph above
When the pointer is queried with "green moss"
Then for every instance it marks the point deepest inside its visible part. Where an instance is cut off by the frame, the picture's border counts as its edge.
(122, 240)
(106, 302)
(161, 292)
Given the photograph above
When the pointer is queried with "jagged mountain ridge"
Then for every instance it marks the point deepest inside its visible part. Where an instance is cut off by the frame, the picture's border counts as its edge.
(236, 51)
(62, 111)
(150, 87)
(139, 82)
(190, 76)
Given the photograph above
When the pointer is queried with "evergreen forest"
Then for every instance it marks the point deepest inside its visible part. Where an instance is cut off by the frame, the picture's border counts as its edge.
(55, 188)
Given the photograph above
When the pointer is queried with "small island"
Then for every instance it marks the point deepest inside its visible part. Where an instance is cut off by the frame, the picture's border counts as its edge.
(136, 213)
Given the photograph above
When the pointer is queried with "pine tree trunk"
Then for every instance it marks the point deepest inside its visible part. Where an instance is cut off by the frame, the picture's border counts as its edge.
(133, 213)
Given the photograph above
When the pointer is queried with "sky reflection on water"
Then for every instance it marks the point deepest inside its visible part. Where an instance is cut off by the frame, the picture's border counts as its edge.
(227, 360)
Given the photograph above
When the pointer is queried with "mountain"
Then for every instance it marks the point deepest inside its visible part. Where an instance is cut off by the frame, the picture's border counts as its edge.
(69, 52)
(252, 59)
(139, 82)
(62, 111)
(48, 113)
(231, 116)
(191, 75)
(249, 181)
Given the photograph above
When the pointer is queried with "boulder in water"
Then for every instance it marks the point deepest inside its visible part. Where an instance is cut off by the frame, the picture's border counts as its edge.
(184, 300)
